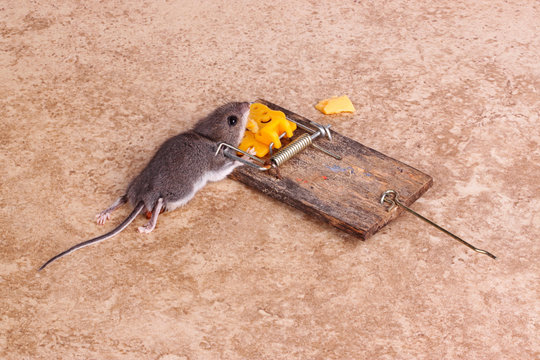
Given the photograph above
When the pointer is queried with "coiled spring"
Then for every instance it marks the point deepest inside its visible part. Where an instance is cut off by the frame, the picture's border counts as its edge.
(296, 146)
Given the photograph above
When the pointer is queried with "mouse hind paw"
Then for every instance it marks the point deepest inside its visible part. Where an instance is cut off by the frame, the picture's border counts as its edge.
(146, 229)
(150, 225)
(105, 215)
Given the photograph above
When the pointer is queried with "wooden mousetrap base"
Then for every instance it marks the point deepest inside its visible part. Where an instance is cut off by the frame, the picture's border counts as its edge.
(344, 193)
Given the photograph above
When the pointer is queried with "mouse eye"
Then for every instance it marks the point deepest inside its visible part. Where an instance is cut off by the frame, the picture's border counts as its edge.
(233, 119)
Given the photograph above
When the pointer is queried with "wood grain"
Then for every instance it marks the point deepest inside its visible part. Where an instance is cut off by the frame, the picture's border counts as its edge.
(344, 193)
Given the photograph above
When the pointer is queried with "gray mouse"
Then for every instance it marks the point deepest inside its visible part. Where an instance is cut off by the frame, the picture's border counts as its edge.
(180, 168)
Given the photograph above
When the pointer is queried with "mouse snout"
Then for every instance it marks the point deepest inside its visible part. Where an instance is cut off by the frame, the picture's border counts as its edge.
(246, 108)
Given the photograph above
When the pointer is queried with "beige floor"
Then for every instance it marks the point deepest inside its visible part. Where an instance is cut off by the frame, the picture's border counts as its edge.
(89, 89)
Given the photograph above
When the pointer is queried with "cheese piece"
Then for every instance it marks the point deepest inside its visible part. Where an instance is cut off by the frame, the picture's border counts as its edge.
(249, 141)
(270, 124)
(264, 128)
(335, 105)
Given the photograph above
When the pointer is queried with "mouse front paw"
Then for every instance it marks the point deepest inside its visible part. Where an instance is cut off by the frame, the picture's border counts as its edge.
(251, 151)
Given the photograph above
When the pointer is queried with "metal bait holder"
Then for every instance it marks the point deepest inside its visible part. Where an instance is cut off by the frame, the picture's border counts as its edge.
(392, 197)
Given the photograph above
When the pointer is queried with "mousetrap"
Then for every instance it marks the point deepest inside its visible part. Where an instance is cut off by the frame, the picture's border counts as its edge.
(334, 178)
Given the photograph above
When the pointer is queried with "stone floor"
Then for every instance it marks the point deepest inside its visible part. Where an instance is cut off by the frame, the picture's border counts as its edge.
(89, 89)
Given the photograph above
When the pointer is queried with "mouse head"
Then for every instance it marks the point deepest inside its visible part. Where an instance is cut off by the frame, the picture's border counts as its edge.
(225, 124)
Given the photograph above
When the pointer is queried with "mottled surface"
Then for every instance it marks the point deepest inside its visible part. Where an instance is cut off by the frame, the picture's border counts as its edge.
(88, 90)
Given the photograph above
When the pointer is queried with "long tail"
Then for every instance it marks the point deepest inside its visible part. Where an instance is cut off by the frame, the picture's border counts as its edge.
(108, 235)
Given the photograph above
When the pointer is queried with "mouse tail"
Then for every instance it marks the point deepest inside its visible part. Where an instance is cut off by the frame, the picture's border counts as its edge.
(108, 235)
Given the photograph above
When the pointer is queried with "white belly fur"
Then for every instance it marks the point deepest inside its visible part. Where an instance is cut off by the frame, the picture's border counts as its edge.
(199, 184)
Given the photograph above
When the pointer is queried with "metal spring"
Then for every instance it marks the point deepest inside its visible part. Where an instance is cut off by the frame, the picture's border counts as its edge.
(296, 146)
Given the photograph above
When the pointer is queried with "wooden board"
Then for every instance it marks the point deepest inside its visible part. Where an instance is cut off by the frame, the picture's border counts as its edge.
(344, 193)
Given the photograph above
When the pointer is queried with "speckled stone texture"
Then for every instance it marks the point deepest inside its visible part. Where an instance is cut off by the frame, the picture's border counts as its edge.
(89, 89)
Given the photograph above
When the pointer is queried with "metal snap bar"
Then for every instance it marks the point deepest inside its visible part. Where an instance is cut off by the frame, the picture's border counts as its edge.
(287, 152)
(263, 167)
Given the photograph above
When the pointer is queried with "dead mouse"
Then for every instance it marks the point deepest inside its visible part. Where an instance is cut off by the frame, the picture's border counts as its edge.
(180, 168)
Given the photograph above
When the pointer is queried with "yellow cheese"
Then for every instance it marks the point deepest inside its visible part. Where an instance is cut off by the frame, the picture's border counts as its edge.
(264, 127)
(335, 105)
(249, 141)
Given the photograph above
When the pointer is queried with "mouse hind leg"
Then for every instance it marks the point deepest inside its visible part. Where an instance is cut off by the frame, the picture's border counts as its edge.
(105, 215)
(150, 225)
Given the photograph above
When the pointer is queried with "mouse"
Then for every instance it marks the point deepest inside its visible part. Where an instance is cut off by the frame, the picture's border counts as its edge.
(181, 166)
